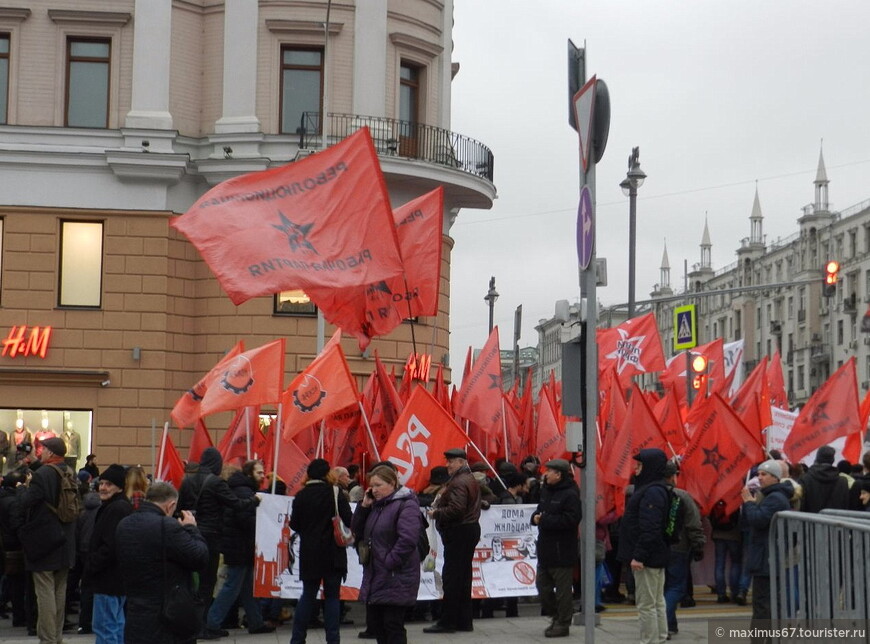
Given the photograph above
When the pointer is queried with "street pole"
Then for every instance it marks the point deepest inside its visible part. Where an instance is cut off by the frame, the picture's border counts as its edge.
(633, 180)
(490, 298)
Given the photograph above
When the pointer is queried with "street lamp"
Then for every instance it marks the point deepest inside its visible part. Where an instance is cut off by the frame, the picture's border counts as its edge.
(490, 298)
(633, 180)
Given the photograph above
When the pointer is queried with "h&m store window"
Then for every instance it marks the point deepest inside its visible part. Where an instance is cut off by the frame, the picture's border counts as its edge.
(22, 427)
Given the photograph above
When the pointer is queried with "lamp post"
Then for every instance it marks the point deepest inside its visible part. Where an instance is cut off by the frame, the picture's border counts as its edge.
(490, 298)
(633, 180)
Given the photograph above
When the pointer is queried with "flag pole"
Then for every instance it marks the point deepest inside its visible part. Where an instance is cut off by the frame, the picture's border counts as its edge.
(369, 429)
(248, 433)
(504, 431)
(277, 447)
(320, 448)
(157, 473)
(488, 464)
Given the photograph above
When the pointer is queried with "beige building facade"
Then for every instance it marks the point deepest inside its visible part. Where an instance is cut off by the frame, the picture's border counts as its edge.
(119, 116)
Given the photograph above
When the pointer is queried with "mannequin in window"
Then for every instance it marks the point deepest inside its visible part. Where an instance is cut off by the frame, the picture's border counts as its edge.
(42, 435)
(73, 442)
(5, 448)
(21, 434)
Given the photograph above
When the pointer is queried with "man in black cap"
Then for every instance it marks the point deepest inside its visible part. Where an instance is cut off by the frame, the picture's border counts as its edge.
(824, 486)
(102, 569)
(456, 512)
(50, 569)
(557, 517)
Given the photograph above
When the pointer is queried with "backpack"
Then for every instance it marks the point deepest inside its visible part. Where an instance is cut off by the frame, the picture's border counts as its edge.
(676, 517)
(423, 546)
(69, 503)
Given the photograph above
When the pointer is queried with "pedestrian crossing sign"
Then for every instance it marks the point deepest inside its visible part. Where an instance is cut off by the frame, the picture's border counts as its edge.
(685, 327)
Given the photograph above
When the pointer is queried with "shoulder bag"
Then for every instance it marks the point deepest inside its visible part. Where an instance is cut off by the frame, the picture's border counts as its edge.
(343, 535)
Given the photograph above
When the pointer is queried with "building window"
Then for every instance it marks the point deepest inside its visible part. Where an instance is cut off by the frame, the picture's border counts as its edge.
(81, 263)
(839, 332)
(87, 84)
(294, 303)
(409, 108)
(4, 77)
(301, 89)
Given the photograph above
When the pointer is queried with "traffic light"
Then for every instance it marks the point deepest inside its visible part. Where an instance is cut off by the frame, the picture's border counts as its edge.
(832, 275)
(699, 373)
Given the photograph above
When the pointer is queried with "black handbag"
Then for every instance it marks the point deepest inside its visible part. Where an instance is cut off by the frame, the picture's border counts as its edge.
(182, 607)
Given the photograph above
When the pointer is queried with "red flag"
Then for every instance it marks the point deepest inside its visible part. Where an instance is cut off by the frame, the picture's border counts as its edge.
(374, 410)
(513, 425)
(292, 466)
(169, 466)
(752, 402)
(852, 448)
(640, 430)
(323, 388)
(667, 412)
(244, 427)
(391, 402)
(324, 221)
(423, 432)
(201, 439)
(377, 308)
(187, 410)
(776, 382)
(632, 347)
(439, 389)
(831, 412)
(720, 452)
(479, 400)
(550, 439)
(254, 377)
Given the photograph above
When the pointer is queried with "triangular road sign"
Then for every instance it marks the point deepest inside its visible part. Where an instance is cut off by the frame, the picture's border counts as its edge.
(584, 104)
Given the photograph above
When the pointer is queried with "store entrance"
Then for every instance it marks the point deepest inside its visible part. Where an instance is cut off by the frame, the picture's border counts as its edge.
(21, 431)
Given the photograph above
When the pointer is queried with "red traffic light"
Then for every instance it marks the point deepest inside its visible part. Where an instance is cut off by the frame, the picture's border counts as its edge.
(832, 270)
(699, 364)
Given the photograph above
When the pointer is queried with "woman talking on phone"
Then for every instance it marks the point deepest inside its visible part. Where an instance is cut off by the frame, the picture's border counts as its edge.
(387, 525)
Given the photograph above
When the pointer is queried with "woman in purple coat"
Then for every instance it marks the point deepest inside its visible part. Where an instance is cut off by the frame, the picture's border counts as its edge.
(388, 521)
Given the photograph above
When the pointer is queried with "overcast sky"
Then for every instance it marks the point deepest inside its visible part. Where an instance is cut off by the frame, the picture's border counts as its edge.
(720, 96)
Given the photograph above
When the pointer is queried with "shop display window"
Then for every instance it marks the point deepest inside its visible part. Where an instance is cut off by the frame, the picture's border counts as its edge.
(30, 426)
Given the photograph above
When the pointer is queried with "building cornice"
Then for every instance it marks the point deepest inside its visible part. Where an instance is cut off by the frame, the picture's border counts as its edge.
(14, 14)
(69, 16)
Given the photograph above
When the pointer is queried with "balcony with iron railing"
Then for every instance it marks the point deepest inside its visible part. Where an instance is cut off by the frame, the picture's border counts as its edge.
(403, 139)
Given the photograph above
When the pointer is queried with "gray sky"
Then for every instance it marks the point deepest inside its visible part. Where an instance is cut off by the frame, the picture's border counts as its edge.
(718, 95)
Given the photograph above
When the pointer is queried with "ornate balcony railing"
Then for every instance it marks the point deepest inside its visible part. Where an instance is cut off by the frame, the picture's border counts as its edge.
(396, 138)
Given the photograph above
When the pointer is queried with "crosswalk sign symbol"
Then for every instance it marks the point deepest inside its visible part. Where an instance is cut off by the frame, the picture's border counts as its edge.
(685, 327)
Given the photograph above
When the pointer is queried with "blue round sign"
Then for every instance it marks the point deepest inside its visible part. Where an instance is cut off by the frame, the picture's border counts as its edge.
(585, 228)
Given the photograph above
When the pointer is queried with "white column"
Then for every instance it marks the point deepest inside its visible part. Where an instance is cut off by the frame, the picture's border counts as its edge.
(152, 34)
(240, 68)
(446, 64)
(370, 58)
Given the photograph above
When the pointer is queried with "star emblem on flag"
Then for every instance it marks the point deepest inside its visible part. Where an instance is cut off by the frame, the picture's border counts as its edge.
(713, 457)
(495, 381)
(297, 234)
(627, 352)
(819, 413)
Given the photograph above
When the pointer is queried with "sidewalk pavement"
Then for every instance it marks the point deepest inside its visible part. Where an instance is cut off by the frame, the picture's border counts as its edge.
(618, 625)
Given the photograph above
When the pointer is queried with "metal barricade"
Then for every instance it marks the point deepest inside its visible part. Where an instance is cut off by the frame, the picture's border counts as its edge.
(820, 566)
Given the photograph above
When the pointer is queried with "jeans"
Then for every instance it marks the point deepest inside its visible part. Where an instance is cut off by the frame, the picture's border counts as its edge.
(239, 584)
(108, 619)
(307, 603)
(726, 548)
(675, 585)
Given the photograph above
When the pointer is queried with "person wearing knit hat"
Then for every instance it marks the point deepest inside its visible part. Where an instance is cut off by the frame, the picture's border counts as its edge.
(321, 559)
(825, 487)
(775, 496)
(103, 567)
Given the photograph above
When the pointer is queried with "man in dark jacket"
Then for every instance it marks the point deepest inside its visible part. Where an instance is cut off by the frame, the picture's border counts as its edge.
(237, 546)
(206, 494)
(156, 551)
(756, 516)
(10, 521)
(557, 517)
(642, 542)
(50, 569)
(824, 487)
(102, 569)
(456, 513)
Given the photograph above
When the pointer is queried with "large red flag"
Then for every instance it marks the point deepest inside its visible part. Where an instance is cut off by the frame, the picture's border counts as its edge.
(479, 399)
(244, 428)
(550, 438)
(852, 448)
(254, 377)
(201, 440)
(169, 466)
(632, 347)
(720, 452)
(831, 412)
(376, 309)
(323, 388)
(423, 432)
(292, 466)
(324, 221)
(752, 402)
(667, 412)
(187, 410)
(640, 430)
